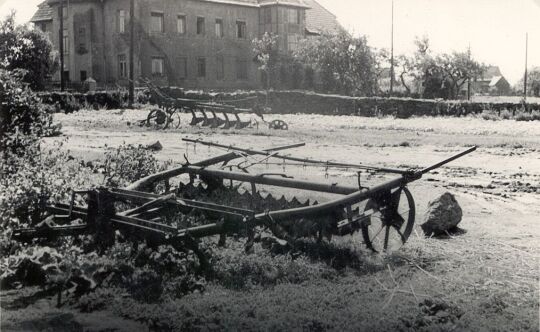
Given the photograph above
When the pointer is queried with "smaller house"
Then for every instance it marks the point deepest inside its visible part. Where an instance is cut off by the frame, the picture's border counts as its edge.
(492, 82)
(499, 86)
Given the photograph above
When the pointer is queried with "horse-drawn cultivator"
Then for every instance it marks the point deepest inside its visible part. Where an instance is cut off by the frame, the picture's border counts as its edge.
(205, 113)
(208, 198)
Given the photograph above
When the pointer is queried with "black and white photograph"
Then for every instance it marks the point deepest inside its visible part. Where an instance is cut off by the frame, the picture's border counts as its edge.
(269, 165)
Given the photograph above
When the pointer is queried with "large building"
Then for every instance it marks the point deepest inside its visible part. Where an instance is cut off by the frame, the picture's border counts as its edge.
(188, 43)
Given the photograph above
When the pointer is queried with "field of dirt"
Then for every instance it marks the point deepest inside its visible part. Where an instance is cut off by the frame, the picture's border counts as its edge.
(483, 279)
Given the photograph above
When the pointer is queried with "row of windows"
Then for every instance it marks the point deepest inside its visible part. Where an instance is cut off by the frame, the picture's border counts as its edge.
(293, 16)
(157, 25)
(158, 67)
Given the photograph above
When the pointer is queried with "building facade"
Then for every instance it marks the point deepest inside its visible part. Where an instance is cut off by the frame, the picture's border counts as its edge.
(187, 43)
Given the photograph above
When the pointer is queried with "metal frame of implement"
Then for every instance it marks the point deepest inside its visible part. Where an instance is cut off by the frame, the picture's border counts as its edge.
(167, 115)
(381, 208)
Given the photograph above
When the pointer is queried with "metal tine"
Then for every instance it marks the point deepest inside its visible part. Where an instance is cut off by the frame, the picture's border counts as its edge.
(216, 121)
(228, 123)
(207, 121)
(195, 119)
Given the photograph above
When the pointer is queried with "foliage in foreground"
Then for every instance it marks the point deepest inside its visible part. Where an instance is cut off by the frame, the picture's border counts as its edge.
(27, 49)
(24, 120)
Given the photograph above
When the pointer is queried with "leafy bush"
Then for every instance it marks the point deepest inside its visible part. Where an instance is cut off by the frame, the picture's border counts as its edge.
(235, 269)
(22, 47)
(27, 184)
(24, 120)
(527, 116)
(128, 163)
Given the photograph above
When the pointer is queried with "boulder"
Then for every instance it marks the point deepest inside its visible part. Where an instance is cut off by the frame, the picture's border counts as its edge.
(443, 214)
(156, 146)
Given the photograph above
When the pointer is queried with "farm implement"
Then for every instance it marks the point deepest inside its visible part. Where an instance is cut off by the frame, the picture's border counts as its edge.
(205, 113)
(218, 197)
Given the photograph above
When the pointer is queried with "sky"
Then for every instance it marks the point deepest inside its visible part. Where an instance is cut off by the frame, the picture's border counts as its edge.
(494, 29)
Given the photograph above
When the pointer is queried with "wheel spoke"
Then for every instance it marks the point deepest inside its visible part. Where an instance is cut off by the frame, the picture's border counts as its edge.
(386, 236)
(377, 234)
(403, 239)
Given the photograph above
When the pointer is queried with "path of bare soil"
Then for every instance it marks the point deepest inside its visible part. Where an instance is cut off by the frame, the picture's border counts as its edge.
(486, 279)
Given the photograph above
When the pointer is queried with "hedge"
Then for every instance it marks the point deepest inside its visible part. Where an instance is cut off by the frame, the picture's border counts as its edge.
(68, 102)
(283, 102)
(306, 102)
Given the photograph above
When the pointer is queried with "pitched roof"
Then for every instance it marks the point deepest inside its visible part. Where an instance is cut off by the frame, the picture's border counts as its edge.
(44, 13)
(495, 80)
(319, 19)
(296, 3)
(490, 72)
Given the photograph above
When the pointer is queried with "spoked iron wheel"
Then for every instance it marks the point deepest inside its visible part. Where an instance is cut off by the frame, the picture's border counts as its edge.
(279, 125)
(157, 118)
(390, 220)
(173, 120)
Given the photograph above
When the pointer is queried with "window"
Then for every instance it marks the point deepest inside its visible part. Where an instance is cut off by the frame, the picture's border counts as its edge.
(293, 16)
(121, 21)
(241, 29)
(156, 22)
(219, 28)
(182, 67)
(42, 26)
(200, 25)
(66, 42)
(66, 75)
(65, 13)
(157, 66)
(82, 40)
(292, 42)
(181, 24)
(122, 66)
(241, 69)
(83, 75)
(201, 67)
(267, 13)
(220, 68)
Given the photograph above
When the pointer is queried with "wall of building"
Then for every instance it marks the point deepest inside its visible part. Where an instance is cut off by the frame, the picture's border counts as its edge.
(95, 25)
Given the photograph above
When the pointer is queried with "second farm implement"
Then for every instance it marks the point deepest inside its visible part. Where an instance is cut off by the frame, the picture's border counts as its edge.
(205, 113)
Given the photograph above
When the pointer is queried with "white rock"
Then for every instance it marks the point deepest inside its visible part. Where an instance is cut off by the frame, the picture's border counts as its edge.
(443, 214)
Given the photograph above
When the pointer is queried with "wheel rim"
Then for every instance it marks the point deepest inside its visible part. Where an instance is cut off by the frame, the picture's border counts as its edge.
(390, 222)
(173, 120)
(279, 124)
(156, 117)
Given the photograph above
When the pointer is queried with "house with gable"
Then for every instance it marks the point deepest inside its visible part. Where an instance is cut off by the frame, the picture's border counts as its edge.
(187, 43)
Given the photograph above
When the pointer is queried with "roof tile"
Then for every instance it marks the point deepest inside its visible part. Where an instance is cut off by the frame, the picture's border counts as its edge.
(44, 13)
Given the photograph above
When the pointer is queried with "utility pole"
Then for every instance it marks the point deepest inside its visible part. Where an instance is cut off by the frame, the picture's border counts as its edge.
(392, 54)
(131, 53)
(469, 79)
(61, 44)
(526, 72)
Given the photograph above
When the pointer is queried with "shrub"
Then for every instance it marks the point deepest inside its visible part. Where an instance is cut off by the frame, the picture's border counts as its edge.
(128, 163)
(527, 116)
(235, 269)
(29, 182)
(22, 47)
(24, 120)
